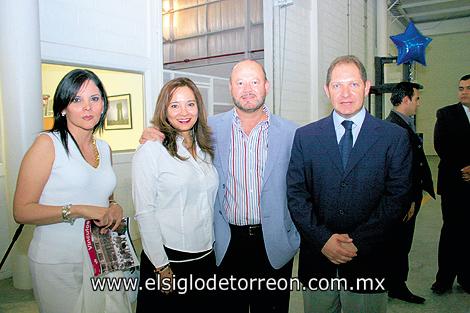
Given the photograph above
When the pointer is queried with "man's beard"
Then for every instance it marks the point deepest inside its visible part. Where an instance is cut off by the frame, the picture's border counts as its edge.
(259, 104)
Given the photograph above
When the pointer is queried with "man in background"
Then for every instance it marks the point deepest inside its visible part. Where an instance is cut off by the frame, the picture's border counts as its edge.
(405, 100)
(452, 144)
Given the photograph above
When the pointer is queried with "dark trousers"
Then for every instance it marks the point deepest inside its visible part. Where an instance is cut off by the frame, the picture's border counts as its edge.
(400, 247)
(246, 259)
(452, 243)
(192, 300)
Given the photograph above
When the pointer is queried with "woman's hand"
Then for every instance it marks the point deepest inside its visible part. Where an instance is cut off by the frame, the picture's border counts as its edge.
(105, 218)
(111, 218)
(165, 279)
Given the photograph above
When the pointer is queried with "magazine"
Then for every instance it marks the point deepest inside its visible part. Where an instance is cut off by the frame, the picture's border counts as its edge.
(112, 251)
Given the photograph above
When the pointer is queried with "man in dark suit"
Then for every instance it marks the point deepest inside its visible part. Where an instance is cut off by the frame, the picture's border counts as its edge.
(405, 99)
(452, 144)
(348, 183)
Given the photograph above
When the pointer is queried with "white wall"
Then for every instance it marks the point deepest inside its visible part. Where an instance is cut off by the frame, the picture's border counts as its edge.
(112, 34)
(340, 34)
(4, 227)
(4, 212)
(115, 34)
(292, 86)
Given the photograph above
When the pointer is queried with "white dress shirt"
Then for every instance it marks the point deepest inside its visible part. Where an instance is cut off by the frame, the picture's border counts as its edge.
(357, 120)
(467, 111)
(173, 200)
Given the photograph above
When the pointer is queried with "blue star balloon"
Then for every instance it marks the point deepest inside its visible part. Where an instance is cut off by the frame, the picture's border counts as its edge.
(411, 45)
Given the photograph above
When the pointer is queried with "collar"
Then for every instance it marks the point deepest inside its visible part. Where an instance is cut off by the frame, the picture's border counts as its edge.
(237, 122)
(466, 108)
(406, 118)
(182, 149)
(357, 119)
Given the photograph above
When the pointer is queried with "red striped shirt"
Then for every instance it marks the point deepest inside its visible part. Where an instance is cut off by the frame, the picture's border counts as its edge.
(247, 158)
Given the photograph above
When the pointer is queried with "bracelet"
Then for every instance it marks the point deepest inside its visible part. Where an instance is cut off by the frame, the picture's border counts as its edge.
(66, 214)
(161, 269)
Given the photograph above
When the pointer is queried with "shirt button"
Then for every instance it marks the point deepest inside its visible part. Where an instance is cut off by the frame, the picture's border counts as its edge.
(419, 146)
(341, 212)
(343, 184)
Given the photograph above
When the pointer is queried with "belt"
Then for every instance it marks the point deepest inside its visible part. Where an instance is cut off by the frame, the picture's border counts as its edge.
(247, 230)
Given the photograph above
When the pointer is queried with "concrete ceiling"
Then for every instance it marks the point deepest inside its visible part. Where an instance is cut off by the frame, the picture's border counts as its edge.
(433, 16)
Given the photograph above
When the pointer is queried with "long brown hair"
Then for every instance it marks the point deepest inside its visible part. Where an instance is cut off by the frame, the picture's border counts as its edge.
(201, 132)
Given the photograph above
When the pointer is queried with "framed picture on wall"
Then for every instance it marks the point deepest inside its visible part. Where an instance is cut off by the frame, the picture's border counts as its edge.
(119, 114)
(47, 110)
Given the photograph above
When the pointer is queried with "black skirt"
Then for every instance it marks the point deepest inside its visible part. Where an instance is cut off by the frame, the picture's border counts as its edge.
(193, 288)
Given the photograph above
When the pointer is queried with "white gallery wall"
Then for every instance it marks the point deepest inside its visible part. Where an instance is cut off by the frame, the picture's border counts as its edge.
(344, 27)
(109, 34)
(300, 42)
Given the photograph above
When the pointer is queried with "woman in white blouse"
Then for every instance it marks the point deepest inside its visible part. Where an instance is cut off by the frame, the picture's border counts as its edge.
(174, 185)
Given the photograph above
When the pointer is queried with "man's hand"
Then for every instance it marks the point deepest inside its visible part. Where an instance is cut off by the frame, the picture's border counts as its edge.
(152, 134)
(410, 213)
(466, 173)
(339, 249)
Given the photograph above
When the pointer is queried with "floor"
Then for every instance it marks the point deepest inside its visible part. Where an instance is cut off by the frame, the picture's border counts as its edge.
(423, 264)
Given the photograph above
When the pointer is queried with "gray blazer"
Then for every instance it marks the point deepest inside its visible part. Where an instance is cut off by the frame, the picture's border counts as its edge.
(281, 238)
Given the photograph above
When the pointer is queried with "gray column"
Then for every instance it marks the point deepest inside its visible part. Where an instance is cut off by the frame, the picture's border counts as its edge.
(20, 79)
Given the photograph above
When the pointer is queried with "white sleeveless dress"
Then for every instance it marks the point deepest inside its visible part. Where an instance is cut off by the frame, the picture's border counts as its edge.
(59, 263)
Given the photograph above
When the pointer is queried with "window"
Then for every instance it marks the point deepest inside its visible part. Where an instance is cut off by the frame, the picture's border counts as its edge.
(202, 32)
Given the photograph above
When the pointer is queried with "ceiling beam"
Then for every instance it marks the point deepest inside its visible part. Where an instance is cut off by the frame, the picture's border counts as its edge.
(458, 25)
(444, 11)
(424, 3)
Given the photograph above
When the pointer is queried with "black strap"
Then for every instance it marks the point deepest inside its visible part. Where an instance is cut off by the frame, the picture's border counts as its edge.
(13, 240)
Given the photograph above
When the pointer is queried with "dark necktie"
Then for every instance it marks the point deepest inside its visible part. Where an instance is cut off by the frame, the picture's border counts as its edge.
(346, 142)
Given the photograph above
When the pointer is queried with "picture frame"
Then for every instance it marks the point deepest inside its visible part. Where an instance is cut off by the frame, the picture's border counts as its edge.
(119, 115)
(47, 106)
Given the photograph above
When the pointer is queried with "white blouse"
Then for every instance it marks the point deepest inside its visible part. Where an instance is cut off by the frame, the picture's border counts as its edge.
(173, 200)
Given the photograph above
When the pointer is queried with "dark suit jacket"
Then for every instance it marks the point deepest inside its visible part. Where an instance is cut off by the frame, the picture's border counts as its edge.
(421, 173)
(452, 144)
(364, 200)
